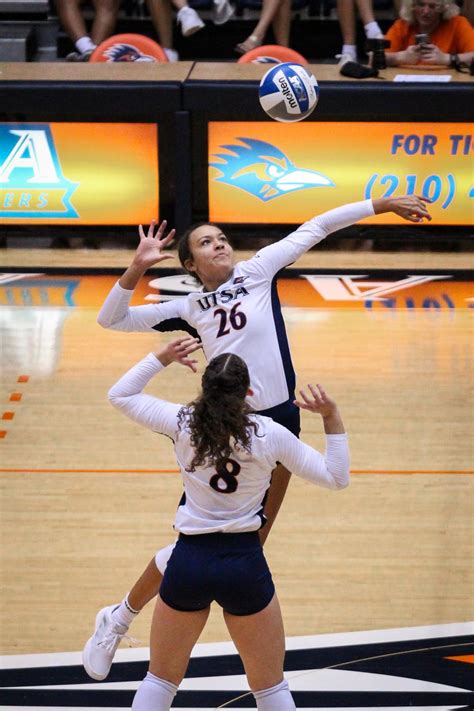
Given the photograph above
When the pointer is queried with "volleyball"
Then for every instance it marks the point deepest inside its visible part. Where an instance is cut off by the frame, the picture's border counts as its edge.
(288, 92)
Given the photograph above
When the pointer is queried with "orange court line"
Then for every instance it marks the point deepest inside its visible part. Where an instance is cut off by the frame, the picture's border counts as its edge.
(23, 378)
(89, 471)
(8, 416)
(3, 434)
(176, 471)
(412, 471)
(15, 397)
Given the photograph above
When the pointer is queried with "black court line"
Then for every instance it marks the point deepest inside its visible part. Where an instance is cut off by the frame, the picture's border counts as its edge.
(287, 273)
(421, 660)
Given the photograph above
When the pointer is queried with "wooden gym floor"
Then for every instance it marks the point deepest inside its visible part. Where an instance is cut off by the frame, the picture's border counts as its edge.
(87, 496)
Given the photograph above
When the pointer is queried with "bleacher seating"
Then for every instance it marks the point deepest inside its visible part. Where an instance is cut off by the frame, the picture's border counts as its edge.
(18, 41)
(30, 30)
(21, 7)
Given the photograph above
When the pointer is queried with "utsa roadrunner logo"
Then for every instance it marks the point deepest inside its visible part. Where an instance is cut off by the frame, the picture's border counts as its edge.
(31, 180)
(126, 53)
(417, 668)
(264, 170)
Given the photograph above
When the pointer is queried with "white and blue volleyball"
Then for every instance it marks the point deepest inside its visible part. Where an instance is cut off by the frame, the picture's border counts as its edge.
(288, 92)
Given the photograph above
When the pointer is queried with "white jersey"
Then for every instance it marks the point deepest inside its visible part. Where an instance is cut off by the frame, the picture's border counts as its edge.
(243, 316)
(231, 499)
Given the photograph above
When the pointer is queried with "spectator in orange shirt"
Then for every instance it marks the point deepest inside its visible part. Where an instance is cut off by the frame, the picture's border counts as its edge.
(450, 40)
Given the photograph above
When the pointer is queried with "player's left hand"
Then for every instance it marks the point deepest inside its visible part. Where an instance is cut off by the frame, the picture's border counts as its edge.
(179, 351)
(317, 401)
(412, 208)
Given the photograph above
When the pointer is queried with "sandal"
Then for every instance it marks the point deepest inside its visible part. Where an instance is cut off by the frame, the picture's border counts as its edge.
(252, 42)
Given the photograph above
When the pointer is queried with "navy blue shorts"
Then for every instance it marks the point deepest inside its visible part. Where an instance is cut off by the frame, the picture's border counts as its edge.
(286, 414)
(229, 568)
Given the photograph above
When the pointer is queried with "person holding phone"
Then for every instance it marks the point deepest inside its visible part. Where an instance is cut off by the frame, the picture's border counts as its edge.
(430, 32)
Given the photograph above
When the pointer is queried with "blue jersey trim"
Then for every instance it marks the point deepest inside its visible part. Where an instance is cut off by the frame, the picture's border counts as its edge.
(283, 340)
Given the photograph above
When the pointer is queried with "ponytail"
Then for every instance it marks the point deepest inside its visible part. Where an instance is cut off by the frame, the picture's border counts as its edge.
(219, 418)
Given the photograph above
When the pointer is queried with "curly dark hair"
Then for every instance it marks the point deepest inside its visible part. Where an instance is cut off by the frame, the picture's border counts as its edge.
(184, 251)
(220, 414)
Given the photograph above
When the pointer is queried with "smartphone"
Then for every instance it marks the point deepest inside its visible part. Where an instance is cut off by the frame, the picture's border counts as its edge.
(422, 39)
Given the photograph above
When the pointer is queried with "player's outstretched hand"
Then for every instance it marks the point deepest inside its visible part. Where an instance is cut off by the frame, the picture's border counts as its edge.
(179, 351)
(410, 207)
(316, 401)
(151, 245)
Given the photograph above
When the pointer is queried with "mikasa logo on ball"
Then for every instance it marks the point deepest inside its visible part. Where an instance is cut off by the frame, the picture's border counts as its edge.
(288, 92)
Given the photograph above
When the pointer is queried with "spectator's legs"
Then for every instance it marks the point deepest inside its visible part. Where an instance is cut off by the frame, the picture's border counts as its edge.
(281, 24)
(269, 11)
(347, 23)
(366, 12)
(105, 19)
(162, 18)
(70, 17)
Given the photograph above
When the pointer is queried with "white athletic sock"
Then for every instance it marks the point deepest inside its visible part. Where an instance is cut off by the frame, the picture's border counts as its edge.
(350, 50)
(154, 694)
(277, 698)
(124, 614)
(162, 557)
(372, 30)
(84, 44)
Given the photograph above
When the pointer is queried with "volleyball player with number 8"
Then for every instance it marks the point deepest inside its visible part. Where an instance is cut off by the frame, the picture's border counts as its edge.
(237, 311)
(226, 456)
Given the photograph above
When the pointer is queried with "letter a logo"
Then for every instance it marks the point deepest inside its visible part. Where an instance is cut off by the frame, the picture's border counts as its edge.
(31, 180)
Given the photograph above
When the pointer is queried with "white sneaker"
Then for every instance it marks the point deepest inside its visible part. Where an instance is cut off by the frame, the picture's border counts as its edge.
(222, 11)
(79, 57)
(98, 654)
(190, 21)
(172, 54)
(344, 58)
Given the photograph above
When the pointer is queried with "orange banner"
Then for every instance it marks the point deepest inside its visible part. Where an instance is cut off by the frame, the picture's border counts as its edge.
(274, 173)
(328, 291)
(78, 173)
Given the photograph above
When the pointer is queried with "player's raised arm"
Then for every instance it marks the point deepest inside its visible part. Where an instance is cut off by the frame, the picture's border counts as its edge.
(153, 413)
(116, 312)
(280, 254)
(319, 402)
(330, 469)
